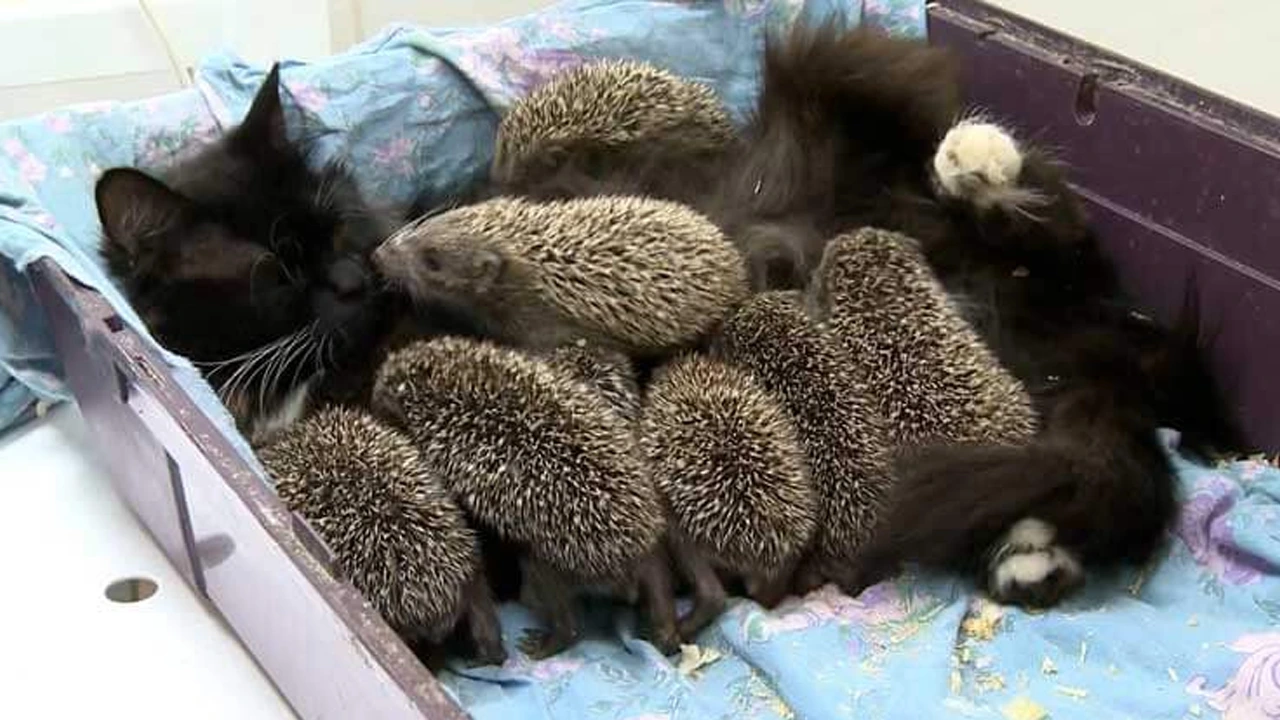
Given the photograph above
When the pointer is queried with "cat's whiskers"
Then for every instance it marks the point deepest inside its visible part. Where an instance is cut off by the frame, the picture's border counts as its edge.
(216, 365)
(251, 364)
(271, 233)
(327, 359)
(303, 356)
(309, 360)
(270, 382)
(415, 224)
(270, 368)
(326, 190)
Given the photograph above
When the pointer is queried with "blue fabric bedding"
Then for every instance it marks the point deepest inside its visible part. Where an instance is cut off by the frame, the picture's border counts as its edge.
(1193, 636)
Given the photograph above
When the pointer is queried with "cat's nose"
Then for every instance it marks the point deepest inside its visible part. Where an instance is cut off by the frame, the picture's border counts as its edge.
(347, 277)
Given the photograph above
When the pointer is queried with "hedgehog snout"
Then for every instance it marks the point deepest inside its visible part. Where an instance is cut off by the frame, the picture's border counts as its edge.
(389, 258)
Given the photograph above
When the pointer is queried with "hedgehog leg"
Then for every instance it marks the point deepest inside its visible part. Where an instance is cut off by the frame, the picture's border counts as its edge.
(709, 596)
(659, 601)
(809, 576)
(482, 623)
(768, 590)
(874, 564)
(551, 591)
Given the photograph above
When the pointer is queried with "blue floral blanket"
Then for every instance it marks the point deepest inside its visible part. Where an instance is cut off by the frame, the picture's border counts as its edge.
(1195, 635)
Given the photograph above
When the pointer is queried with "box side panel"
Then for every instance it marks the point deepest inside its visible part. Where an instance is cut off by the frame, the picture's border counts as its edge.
(1181, 185)
(326, 650)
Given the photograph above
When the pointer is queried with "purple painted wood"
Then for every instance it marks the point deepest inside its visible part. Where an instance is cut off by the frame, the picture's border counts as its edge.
(1180, 182)
(325, 648)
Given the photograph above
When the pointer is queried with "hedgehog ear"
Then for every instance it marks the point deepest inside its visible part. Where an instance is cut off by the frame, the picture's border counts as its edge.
(387, 409)
(485, 268)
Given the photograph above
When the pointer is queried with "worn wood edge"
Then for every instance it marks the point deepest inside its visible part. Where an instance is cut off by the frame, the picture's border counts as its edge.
(136, 357)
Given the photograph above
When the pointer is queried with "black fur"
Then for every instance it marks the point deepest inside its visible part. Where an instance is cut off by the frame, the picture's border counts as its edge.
(847, 126)
(243, 244)
(843, 137)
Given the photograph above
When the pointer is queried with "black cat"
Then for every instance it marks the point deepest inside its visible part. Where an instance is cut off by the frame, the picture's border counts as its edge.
(857, 129)
(254, 266)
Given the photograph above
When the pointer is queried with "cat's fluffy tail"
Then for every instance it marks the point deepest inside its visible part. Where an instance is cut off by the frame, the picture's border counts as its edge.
(1027, 519)
(881, 94)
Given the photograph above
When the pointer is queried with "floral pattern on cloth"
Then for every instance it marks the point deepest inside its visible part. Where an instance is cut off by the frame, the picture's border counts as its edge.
(1192, 636)
(411, 111)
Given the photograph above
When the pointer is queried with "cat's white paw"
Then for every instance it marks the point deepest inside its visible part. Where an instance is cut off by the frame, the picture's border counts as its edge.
(979, 162)
(1028, 569)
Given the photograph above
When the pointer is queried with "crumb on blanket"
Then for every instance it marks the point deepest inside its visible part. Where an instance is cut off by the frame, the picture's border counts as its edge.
(694, 658)
(1021, 708)
(1074, 693)
(985, 622)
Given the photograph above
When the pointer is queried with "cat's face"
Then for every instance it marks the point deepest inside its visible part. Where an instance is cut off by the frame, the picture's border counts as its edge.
(247, 262)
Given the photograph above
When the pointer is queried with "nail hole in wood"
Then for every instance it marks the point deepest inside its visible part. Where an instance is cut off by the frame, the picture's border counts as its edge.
(131, 590)
(1087, 100)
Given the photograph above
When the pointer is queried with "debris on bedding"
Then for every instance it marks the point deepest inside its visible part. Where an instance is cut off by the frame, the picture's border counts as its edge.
(1074, 693)
(1173, 674)
(956, 683)
(1140, 581)
(1194, 710)
(1048, 668)
(1084, 651)
(990, 682)
(1193, 621)
(1021, 708)
(693, 658)
(985, 622)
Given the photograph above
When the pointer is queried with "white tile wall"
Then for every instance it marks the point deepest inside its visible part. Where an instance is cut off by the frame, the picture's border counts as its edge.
(1229, 47)
(57, 52)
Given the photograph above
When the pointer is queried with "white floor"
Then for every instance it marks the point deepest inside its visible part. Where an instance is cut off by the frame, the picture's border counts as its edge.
(67, 651)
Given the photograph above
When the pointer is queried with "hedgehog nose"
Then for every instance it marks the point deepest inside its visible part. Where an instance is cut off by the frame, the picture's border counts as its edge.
(384, 254)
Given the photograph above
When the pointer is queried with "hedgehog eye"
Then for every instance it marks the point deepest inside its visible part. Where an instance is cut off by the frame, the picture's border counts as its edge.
(431, 261)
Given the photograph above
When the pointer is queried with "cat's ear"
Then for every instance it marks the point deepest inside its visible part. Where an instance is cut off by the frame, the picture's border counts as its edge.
(135, 208)
(264, 126)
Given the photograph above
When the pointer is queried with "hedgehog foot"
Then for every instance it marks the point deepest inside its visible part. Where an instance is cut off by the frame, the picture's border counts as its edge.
(871, 566)
(808, 577)
(709, 596)
(483, 625)
(660, 603)
(978, 162)
(768, 590)
(553, 596)
(1028, 569)
(538, 644)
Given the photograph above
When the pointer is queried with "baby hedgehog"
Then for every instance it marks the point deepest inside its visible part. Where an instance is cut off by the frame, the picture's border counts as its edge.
(643, 276)
(395, 532)
(542, 460)
(608, 372)
(726, 458)
(935, 380)
(839, 428)
(608, 107)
